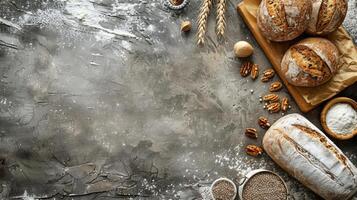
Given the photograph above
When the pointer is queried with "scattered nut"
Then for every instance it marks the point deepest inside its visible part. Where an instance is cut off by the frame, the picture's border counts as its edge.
(251, 132)
(253, 150)
(176, 2)
(267, 75)
(263, 122)
(284, 104)
(243, 49)
(254, 72)
(271, 98)
(274, 107)
(186, 26)
(246, 68)
(276, 86)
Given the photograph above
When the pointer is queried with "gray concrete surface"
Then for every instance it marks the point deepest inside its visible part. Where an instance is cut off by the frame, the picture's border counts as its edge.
(107, 100)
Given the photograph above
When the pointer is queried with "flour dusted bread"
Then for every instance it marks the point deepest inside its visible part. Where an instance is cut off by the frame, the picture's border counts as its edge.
(305, 152)
(327, 16)
(283, 20)
(310, 63)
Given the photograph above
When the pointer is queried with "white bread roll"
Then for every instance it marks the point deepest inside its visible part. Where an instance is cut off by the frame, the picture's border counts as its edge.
(305, 152)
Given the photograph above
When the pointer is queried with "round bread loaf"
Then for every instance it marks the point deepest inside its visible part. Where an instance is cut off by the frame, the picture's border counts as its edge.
(311, 62)
(327, 16)
(283, 20)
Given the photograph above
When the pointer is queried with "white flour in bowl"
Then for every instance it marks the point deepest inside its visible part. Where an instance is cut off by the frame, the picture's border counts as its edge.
(341, 118)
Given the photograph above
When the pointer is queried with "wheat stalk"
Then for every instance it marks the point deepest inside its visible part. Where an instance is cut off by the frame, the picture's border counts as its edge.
(202, 21)
(221, 19)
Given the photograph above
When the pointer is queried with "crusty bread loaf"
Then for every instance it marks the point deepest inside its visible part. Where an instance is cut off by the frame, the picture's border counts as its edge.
(327, 16)
(283, 20)
(310, 63)
(305, 152)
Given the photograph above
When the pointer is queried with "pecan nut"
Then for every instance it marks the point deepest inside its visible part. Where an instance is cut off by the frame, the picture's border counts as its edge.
(263, 122)
(276, 86)
(271, 98)
(255, 72)
(251, 132)
(273, 107)
(284, 104)
(253, 150)
(246, 68)
(267, 75)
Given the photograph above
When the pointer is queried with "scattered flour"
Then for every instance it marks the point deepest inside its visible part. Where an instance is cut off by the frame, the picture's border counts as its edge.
(88, 15)
(129, 8)
(26, 196)
(341, 118)
(51, 19)
(233, 160)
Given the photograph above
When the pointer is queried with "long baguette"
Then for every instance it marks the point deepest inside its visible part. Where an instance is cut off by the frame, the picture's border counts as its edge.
(305, 152)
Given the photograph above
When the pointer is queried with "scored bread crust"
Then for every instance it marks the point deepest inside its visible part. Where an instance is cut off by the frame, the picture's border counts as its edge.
(320, 53)
(305, 152)
(283, 20)
(327, 16)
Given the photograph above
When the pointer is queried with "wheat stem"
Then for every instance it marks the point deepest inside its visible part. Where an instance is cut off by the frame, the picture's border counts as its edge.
(202, 21)
(221, 18)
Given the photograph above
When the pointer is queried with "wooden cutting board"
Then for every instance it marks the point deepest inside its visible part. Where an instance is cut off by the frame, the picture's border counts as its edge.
(275, 51)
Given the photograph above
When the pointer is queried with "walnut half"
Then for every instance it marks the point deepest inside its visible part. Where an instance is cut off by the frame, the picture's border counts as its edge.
(271, 98)
(274, 107)
(267, 75)
(276, 86)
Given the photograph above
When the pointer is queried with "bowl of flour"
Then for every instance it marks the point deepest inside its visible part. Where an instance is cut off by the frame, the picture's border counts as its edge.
(339, 118)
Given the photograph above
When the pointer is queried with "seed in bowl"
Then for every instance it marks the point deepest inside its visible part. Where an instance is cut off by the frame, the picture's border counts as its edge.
(223, 190)
(264, 186)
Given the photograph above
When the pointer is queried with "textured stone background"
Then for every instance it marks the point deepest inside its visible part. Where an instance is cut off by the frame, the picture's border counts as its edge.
(107, 99)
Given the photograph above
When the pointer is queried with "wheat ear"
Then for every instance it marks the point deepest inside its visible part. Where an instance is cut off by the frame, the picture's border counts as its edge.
(221, 18)
(202, 21)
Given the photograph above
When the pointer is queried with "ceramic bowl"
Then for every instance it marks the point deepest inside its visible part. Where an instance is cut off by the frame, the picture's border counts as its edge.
(324, 113)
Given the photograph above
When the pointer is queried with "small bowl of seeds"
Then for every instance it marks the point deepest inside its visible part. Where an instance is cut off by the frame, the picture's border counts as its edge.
(262, 184)
(223, 189)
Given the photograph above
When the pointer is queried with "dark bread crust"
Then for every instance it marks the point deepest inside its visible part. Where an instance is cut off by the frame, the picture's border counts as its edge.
(276, 11)
(327, 16)
(283, 20)
(310, 63)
